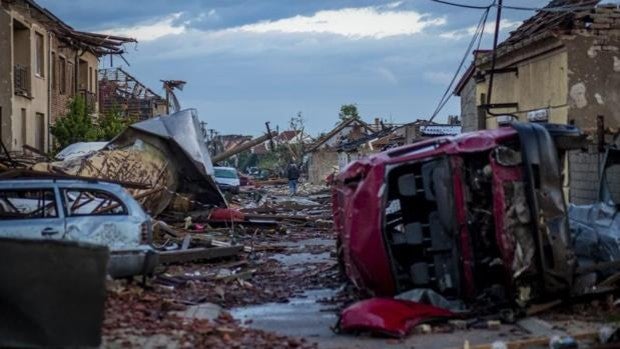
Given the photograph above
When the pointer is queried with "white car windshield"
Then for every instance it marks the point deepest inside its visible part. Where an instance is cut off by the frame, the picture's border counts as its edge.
(225, 173)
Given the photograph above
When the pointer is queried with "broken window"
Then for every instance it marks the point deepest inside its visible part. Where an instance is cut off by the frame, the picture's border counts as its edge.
(70, 75)
(54, 67)
(62, 69)
(39, 55)
(87, 202)
(27, 204)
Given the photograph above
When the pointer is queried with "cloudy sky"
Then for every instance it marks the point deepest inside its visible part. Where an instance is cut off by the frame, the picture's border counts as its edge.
(251, 61)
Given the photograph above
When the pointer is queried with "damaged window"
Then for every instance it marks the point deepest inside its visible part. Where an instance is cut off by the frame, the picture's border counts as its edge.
(612, 181)
(27, 204)
(81, 202)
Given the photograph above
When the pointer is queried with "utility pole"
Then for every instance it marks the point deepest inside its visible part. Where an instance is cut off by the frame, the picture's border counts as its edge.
(273, 148)
(494, 57)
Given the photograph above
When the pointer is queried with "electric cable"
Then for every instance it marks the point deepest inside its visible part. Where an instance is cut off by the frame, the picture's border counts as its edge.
(476, 37)
(565, 8)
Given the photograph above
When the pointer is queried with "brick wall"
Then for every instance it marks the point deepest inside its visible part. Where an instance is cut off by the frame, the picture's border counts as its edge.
(60, 99)
(584, 175)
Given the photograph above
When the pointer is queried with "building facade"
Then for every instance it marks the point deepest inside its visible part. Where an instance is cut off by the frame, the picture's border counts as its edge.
(559, 67)
(45, 64)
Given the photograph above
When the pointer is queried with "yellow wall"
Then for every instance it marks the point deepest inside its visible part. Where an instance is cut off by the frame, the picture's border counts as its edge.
(37, 102)
(540, 83)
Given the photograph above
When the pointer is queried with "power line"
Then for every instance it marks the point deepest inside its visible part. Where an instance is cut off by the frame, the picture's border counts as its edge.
(461, 5)
(565, 8)
(477, 34)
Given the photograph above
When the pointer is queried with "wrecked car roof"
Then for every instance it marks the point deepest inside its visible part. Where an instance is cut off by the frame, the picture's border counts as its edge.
(464, 143)
(37, 181)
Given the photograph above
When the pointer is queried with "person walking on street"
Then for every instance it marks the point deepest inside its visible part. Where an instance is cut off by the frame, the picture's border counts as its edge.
(293, 176)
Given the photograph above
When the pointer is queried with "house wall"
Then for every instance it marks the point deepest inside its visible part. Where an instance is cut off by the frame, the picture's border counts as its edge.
(541, 82)
(594, 80)
(593, 89)
(469, 107)
(6, 77)
(61, 97)
(29, 113)
(321, 164)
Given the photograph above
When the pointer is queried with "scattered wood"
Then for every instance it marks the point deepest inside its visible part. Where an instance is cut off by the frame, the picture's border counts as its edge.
(539, 308)
(167, 229)
(186, 241)
(539, 327)
(278, 181)
(200, 253)
(239, 276)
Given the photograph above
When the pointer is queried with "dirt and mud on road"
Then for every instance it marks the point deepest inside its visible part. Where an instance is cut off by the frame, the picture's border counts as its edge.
(285, 290)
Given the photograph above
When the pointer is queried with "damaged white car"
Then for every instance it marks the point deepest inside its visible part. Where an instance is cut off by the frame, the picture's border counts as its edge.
(86, 211)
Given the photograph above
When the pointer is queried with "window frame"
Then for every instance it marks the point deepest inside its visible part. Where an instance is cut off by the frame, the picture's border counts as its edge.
(39, 51)
(66, 208)
(34, 189)
(53, 65)
(62, 74)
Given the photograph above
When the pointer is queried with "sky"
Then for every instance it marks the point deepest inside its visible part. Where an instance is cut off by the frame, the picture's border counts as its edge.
(248, 62)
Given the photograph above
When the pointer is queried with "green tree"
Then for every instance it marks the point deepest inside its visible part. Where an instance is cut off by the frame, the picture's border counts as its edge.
(348, 111)
(76, 126)
(111, 124)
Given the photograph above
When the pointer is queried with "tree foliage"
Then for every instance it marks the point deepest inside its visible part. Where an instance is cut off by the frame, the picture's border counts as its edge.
(348, 111)
(78, 125)
(111, 124)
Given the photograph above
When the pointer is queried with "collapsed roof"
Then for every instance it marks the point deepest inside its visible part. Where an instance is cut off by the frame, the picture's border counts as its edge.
(98, 44)
(178, 136)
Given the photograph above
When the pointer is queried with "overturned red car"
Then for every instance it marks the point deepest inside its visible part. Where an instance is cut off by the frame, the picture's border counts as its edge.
(477, 216)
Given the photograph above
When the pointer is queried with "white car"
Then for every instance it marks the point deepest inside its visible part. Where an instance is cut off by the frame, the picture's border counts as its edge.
(86, 211)
(227, 179)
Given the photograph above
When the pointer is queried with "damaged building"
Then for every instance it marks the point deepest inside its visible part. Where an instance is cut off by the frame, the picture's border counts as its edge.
(354, 139)
(49, 63)
(561, 67)
(120, 92)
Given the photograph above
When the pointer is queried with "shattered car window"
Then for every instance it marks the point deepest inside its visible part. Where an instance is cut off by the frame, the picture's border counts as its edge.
(612, 179)
(27, 204)
(80, 202)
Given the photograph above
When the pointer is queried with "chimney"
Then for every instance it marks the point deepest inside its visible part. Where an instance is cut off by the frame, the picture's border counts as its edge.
(377, 124)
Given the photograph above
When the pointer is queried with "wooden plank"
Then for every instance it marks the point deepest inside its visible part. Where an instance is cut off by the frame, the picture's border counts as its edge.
(198, 254)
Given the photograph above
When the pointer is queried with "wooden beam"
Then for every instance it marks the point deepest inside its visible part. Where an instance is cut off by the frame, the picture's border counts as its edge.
(197, 254)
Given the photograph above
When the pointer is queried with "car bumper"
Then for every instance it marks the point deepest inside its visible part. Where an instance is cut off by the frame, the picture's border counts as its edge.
(230, 188)
(127, 263)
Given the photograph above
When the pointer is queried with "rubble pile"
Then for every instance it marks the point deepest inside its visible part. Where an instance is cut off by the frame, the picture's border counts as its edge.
(264, 270)
(136, 317)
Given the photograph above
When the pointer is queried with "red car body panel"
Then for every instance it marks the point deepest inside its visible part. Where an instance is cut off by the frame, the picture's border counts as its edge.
(391, 317)
(358, 206)
(358, 221)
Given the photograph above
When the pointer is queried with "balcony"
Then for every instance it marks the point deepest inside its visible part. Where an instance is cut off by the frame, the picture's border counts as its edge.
(89, 98)
(21, 79)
